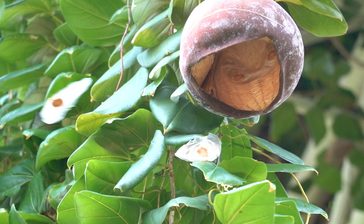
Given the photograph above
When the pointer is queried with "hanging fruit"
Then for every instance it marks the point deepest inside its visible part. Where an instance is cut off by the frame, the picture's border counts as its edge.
(241, 58)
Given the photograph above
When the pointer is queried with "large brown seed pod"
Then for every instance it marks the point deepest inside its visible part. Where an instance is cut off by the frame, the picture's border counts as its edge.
(241, 58)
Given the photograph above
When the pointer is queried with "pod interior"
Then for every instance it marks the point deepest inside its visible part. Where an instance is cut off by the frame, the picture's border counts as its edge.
(245, 76)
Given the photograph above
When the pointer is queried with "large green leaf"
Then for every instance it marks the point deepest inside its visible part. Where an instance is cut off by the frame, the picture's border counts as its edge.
(96, 179)
(183, 116)
(90, 150)
(95, 208)
(234, 142)
(153, 32)
(128, 134)
(323, 7)
(307, 19)
(288, 208)
(270, 147)
(106, 84)
(19, 9)
(13, 179)
(253, 203)
(180, 10)
(80, 59)
(14, 216)
(65, 35)
(58, 145)
(19, 47)
(122, 100)
(289, 168)
(216, 174)
(143, 10)
(159, 214)
(305, 207)
(341, 124)
(33, 200)
(21, 114)
(66, 210)
(316, 123)
(152, 56)
(89, 20)
(144, 165)
(249, 169)
(21, 77)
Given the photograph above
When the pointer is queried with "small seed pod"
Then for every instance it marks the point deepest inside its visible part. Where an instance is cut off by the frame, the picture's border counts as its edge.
(240, 58)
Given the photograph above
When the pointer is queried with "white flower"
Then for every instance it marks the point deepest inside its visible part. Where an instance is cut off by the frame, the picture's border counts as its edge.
(207, 148)
(56, 107)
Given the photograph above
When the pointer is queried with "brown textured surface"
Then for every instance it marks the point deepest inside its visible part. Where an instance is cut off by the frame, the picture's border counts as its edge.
(244, 76)
(216, 25)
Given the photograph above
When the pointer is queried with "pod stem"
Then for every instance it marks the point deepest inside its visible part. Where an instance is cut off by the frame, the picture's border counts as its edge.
(171, 182)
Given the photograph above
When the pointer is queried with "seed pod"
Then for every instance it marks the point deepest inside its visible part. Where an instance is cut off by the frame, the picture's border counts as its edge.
(241, 58)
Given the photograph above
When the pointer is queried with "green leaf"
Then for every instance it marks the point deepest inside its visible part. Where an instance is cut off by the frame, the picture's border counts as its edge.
(289, 168)
(89, 20)
(65, 35)
(305, 207)
(288, 208)
(4, 215)
(21, 114)
(247, 168)
(284, 118)
(14, 216)
(341, 124)
(66, 210)
(150, 89)
(103, 182)
(307, 19)
(143, 10)
(316, 123)
(153, 32)
(80, 59)
(152, 56)
(180, 10)
(58, 145)
(234, 142)
(216, 174)
(32, 218)
(19, 47)
(270, 147)
(252, 203)
(90, 150)
(163, 62)
(144, 165)
(18, 9)
(106, 85)
(33, 200)
(122, 100)
(159, 214)
(127, 134)
(94, 208)
(323, 7)
(20, 78)
(17, 176)
(283, 219)
(183, 116)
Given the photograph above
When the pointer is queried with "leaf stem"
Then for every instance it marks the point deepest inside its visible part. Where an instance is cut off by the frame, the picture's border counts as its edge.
(122, 45)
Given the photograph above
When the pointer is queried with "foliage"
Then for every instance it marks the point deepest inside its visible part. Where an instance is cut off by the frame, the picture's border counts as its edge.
(111, 159)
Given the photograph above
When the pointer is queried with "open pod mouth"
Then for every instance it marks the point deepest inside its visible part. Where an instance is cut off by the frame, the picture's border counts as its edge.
(245, 76)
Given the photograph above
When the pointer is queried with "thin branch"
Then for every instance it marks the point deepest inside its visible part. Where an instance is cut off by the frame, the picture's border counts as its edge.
(122, 45)
(171, 183)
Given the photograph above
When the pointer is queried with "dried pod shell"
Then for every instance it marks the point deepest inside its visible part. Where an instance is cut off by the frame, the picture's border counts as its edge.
(241, 58)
